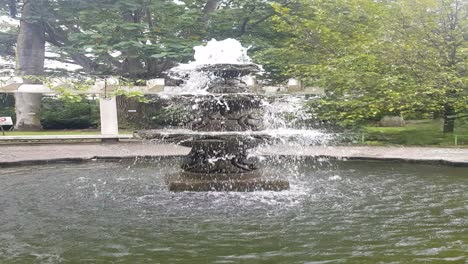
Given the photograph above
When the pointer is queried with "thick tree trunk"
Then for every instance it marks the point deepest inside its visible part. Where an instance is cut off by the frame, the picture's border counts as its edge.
(30, 62)
(449, 120)
(12, 7)
(210, 7)
(132, 66)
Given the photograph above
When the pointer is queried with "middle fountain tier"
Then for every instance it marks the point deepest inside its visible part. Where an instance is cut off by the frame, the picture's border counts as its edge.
(228, 124)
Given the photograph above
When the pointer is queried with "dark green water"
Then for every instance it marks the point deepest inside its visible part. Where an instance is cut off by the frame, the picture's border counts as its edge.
(345, 212)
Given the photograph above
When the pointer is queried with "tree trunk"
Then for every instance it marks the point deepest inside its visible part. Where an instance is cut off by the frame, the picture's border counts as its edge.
(210, 7)
(449, 120)
(132, 66)
(30, 54)
(12, 7)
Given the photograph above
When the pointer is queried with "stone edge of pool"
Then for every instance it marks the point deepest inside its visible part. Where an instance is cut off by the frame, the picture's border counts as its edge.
(313, 157)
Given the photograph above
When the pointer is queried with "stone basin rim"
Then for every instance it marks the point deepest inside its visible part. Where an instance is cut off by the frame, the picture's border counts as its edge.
(104, 158)
(192, 133)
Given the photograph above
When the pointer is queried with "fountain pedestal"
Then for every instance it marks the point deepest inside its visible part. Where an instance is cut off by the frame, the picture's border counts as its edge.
(218, 161)
(232, 183)
(221, 164)
(221, 136)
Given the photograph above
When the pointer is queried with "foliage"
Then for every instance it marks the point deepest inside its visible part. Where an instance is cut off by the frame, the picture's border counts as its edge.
(7, 107)
(374, 58)
(8, 33)
(151, 112)
(141, 39)
(423, 132)
(172, 116)
(69, 114)
(130, 31)
(250, 22)
(377, 58)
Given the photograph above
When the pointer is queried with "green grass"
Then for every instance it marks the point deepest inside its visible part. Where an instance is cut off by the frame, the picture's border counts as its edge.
(58, 132)
(421, 132)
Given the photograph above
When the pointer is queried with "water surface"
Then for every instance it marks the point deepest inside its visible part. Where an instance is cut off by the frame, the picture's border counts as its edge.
(343, 212)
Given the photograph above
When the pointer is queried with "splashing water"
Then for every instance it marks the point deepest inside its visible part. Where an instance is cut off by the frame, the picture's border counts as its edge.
(283, 116)
(284, 111)
(228, 51)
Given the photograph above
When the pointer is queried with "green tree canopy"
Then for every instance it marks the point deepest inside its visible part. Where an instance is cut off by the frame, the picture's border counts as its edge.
(377, 58)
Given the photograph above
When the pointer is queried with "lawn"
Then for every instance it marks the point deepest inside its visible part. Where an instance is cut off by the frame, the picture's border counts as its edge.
(58, 132)
(420, 132)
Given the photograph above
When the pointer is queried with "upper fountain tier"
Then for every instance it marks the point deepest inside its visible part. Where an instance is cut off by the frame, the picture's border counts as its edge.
(226, 78)
(229, 71)
(217, 68)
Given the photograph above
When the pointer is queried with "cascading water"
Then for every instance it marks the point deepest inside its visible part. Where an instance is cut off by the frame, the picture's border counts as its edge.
(280, 113)
(229, 122)
(194, 80)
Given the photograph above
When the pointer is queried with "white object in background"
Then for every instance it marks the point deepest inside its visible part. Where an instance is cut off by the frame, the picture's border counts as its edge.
(106, 86)
(271, 89)
(11, 83)
(61, 83)
(294, 85)
(250, 81)
(6, 121)
(314, 91)
(155, 85)
(109, 121)
(34, 88)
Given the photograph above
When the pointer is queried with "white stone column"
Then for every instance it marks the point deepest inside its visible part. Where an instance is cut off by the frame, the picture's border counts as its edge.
(109, 121)
(295, 85)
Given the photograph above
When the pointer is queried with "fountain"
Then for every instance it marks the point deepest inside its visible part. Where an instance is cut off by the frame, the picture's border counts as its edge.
(227, 126)
(335, 211)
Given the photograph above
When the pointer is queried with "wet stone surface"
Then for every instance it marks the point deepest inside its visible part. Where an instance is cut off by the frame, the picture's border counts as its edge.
(221, 155)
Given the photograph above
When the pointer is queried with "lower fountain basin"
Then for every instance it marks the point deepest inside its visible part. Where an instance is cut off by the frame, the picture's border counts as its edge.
(218, 161)
(340, 212)
(199, 182)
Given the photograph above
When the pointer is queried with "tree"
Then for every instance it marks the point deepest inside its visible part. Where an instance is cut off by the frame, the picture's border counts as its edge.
(137, 39)
(142, 39)
(30, 54)
(377, 58)
(338, 45)
(432, 41)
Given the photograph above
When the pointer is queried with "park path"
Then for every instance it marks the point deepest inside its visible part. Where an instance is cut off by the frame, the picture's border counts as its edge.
(436, 154)
(38, 152)
(10, 154)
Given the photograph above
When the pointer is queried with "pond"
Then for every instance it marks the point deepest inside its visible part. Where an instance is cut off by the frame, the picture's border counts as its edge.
(335, 212)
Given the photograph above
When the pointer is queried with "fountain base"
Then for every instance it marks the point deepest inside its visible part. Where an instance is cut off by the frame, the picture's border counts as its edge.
(197, 182)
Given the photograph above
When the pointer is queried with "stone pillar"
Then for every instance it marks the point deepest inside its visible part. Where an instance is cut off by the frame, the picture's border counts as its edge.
(155, 85)
(108, 110)
(295, 85)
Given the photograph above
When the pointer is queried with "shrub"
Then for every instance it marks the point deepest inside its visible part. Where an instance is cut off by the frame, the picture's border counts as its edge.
(65, 114)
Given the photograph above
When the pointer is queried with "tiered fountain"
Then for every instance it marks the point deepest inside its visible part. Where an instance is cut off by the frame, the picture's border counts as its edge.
(228, 124)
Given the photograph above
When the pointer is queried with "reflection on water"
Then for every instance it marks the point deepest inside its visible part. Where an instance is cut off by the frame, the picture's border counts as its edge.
(121, 212)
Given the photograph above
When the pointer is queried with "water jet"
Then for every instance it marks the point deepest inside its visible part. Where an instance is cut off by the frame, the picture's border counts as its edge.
(226, 117)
